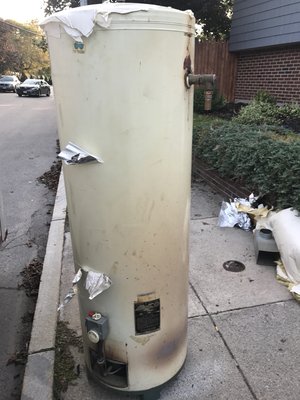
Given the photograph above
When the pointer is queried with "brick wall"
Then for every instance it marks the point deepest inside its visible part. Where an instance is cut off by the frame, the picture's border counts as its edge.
(276, 71)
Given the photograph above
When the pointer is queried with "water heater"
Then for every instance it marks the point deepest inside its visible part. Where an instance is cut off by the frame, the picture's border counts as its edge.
(124, 111)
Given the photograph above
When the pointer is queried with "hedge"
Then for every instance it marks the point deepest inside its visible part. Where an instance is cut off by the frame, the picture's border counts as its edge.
(265, 159)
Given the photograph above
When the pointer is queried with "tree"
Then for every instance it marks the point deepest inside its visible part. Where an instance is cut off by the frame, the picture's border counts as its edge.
(22, 49)
(8, 55)
(53, 6)
(214, 16)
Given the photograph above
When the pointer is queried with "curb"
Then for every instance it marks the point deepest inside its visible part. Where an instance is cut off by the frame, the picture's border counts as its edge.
(39, 371)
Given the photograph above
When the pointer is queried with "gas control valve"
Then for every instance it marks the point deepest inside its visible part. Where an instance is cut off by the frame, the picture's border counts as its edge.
(97, 327)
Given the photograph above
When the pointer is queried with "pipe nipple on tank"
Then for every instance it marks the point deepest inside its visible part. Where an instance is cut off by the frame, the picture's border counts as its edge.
(207, 80)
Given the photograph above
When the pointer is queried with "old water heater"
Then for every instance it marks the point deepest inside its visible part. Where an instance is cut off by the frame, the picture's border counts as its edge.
(124, 111)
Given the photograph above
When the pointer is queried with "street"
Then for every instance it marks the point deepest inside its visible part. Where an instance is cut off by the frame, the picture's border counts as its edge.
(28, 137)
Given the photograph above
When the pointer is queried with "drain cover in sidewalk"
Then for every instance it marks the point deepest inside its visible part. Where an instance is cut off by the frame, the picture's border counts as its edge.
(233, 266)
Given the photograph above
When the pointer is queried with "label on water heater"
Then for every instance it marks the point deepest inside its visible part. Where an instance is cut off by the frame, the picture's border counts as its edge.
(147, 316)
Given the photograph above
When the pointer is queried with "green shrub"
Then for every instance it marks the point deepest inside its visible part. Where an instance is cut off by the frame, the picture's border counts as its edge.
(217, 103)
(288, 111)
(259, 113)
(262, 110)
(267, 161)
(264, 97)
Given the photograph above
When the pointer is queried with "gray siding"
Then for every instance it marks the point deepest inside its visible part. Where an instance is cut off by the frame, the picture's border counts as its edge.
(262, 23)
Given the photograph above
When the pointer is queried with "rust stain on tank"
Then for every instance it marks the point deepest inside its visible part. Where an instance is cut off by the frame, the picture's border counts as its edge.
(187, 67)
(187, 64)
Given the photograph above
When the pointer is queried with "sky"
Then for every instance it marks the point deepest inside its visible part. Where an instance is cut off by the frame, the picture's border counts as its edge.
(21, 10)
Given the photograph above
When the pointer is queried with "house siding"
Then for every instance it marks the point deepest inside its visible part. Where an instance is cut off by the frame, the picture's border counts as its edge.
(264, 23)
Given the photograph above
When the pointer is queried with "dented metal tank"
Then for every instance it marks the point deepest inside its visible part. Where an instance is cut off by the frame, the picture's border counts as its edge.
(125, 120)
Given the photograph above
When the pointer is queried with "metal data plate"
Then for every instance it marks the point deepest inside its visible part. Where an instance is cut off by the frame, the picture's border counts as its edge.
(147, 316)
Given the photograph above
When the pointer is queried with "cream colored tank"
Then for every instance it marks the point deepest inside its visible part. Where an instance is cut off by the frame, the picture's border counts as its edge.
(119, 79)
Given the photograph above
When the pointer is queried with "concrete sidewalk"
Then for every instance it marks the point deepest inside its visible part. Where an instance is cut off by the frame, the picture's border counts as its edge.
(243, 326)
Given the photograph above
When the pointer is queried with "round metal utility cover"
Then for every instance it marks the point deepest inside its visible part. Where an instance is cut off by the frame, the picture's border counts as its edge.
(233, 266)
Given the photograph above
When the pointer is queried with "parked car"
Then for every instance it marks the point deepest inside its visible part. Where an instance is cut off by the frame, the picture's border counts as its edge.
(33, 87)
(8, 83)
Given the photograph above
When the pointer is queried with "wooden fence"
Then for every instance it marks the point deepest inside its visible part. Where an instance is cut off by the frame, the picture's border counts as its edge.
(214, 58)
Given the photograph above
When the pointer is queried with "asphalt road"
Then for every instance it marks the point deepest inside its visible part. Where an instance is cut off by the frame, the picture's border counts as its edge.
(28, 137)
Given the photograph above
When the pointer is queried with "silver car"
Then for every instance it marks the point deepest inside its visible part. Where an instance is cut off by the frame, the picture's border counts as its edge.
(8, 83)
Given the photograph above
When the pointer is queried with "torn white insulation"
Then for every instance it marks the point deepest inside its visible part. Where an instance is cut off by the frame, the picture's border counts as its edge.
(285, 227)
(295, 290)
(73, 154)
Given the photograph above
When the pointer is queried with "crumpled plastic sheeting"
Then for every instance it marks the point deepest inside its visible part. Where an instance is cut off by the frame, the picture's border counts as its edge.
(237, 213)
(96, 283)
(229, 216)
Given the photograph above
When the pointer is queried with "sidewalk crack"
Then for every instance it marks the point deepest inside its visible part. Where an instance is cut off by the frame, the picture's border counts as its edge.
(225, 344)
